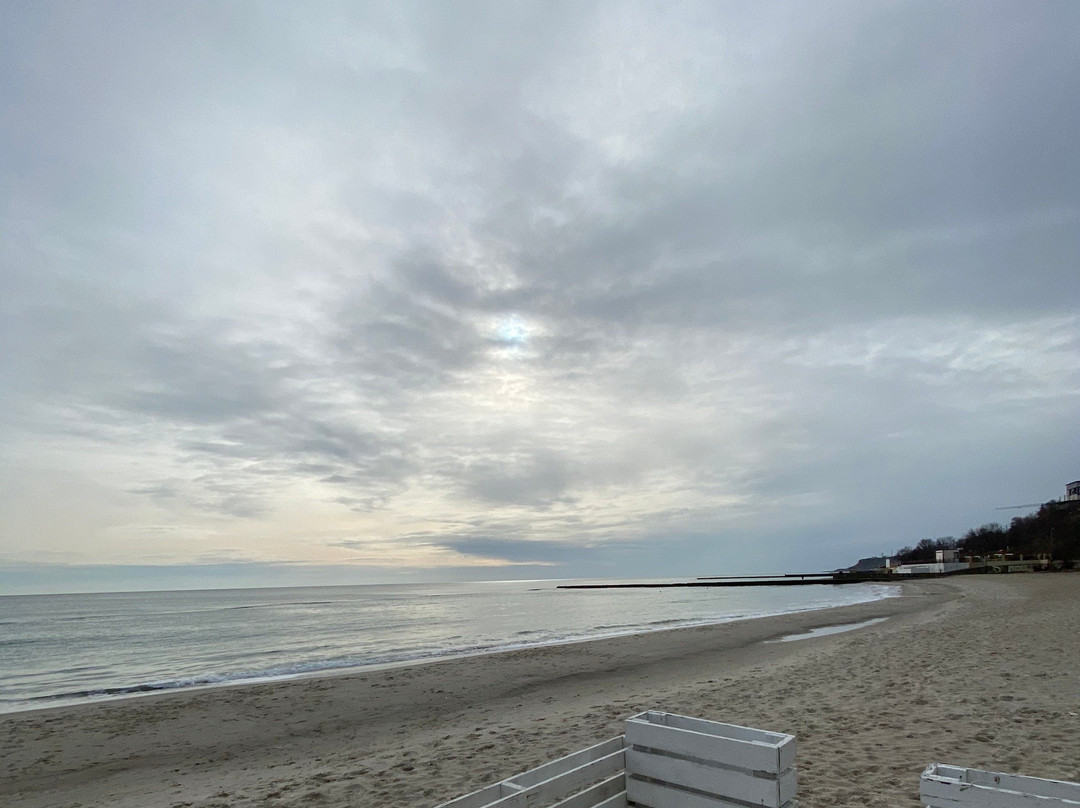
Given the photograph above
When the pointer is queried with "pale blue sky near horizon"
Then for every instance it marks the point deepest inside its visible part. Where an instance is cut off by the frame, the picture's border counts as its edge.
(332, 293)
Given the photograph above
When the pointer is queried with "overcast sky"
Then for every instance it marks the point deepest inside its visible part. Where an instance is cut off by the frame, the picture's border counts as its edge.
(331, 293)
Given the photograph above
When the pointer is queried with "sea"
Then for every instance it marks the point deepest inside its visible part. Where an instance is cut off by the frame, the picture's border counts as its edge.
(66, 649)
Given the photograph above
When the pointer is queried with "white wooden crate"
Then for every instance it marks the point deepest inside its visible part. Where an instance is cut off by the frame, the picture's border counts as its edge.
(673, 761)
(944, 786)
(663, 761)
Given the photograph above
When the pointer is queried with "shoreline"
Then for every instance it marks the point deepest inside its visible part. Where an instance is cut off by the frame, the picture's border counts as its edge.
(142, 691)
(948, 676)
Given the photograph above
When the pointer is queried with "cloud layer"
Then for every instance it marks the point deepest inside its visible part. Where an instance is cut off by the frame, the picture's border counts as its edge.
(515, 289)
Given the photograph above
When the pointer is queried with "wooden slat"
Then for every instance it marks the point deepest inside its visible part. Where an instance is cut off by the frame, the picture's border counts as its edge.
(617, 801)
(483, 796)
(740, 754)
(655, 795)
(730, 784)
(596, 795)
(728, 744)
(733, 731)
(512, 785)
(475, 799)
(959, 795)
(568, 762)
(949, 792)
(1028, 785)
(550, 791)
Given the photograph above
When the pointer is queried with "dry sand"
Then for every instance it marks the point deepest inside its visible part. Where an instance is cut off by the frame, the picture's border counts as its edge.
(981, 671)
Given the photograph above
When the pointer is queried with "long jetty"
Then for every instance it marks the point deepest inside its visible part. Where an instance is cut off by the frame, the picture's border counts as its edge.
(776, 582)
(787, 579)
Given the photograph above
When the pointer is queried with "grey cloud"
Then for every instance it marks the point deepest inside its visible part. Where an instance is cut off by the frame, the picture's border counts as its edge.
(832, 186)
(752, 252)
(201, 380)
(537, 478)
(162, 489)
(234, 496)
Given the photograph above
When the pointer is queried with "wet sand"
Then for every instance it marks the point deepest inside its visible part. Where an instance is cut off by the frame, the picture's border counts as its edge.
(979, 671)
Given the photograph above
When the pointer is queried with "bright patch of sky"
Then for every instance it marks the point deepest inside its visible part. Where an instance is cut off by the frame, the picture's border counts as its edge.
(512, 331)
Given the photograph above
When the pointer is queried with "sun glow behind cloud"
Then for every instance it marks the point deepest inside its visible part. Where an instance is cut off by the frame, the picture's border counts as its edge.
(512, 332)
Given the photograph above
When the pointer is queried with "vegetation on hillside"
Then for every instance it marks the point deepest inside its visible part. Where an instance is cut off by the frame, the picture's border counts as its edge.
(1053, 531)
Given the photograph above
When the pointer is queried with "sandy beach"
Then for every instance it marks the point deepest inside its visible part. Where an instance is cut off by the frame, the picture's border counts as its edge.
(978, 671)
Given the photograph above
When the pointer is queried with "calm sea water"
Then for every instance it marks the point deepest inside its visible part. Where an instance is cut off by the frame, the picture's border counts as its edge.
(61, 649)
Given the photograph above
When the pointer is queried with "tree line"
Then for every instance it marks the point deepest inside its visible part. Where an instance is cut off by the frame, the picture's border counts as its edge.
(1053, 531)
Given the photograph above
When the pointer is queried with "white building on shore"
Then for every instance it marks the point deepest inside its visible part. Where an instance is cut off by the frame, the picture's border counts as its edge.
(944, 561)
(932, 568)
